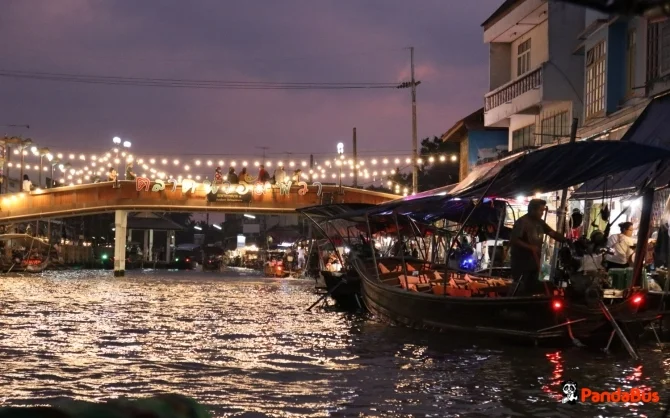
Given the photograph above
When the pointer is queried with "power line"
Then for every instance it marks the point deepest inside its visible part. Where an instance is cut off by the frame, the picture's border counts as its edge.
(195, 84)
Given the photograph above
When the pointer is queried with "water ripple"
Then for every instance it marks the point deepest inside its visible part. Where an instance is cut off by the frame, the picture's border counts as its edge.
(246, 347)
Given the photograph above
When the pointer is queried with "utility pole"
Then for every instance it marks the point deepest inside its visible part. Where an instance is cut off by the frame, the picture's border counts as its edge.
(311, 167)
(355, 162)
(263, 148)
(415, 152)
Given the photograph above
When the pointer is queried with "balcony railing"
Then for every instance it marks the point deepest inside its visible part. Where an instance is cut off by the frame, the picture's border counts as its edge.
(513, 89)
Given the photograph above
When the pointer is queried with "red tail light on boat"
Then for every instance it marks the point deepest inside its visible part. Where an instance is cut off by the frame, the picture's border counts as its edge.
(637, 299)
(557, 305)
(188, 260)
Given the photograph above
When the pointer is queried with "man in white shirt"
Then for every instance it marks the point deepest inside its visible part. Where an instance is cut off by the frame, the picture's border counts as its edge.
(623, 246)
(280, 175)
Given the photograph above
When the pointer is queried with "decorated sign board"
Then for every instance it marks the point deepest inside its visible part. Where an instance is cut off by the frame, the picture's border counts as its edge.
(225, 191)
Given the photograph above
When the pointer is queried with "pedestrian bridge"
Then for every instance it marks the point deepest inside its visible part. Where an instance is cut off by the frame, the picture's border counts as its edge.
(143, 194)
(186, 196)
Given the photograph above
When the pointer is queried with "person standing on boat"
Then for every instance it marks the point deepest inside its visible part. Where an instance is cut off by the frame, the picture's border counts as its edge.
(526, 244)
(623, 246)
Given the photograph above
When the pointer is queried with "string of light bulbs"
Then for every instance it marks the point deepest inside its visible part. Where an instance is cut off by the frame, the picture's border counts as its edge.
(84, 168)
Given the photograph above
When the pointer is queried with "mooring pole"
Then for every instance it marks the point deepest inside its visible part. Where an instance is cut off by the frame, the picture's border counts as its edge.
(561, 210)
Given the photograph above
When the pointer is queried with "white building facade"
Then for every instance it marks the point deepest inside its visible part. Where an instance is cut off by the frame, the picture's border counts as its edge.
(536, 82)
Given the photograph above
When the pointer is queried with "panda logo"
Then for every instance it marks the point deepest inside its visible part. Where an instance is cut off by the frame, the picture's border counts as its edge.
(569, 392)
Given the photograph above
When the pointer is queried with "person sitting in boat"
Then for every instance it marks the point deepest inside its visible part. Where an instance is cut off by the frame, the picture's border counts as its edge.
(526, 242)
(623, 247)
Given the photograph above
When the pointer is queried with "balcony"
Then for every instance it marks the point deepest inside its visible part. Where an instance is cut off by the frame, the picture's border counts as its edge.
(513, 97)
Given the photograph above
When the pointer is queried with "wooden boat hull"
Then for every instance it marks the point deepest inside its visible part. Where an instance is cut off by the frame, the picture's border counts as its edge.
(527, 318)
(345, 289)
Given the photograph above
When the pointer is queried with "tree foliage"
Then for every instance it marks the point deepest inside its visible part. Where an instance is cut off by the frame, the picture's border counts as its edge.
(433, 175)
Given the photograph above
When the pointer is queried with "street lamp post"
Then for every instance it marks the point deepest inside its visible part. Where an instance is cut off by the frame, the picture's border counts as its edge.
(340, 152)
(64, 167)
(117, 143)
(25, 143)
(126, 144)
(54, 162)
(44, 152)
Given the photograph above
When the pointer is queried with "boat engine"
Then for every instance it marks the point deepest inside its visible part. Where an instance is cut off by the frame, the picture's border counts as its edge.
(585, 286)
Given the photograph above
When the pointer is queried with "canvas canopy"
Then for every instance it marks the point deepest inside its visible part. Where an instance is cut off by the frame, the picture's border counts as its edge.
(651, 128)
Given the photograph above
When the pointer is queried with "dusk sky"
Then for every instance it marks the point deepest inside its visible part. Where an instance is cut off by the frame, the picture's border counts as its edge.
(253, 40)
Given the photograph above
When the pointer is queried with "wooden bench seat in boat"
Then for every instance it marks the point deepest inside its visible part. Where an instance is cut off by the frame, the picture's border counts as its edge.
(469, 286)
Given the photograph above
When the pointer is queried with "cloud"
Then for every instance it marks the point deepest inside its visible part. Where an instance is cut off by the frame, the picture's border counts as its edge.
(291, 41)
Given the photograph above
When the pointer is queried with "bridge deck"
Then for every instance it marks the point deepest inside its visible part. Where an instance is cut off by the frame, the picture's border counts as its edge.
(105, 197)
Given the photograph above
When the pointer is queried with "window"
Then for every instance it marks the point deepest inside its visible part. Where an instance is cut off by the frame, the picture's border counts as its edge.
(664, 45)
(524, 137)
(523, 58)
(630, 61)
(555, 127)
(595, 80)
(658, 50)
(652, 51)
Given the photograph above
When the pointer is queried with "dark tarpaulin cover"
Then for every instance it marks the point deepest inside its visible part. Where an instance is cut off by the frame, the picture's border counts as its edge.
(440, 191)
(557, 167)
(327, 211)
(651, 128)
(433, 208)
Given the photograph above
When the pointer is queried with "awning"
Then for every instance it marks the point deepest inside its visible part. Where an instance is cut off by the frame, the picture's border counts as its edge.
(328, 211)
(433, 208)
(651, 128)
(556, 167)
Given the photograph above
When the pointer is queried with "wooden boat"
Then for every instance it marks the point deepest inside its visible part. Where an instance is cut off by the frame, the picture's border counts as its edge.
(427, 297)
(28, 254)
(343, 286)
(425, 300)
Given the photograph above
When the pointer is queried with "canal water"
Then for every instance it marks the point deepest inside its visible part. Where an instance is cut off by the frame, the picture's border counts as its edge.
(245, 346)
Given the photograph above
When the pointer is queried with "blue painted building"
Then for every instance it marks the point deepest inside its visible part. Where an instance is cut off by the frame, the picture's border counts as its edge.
(477, 142)
(626, 63)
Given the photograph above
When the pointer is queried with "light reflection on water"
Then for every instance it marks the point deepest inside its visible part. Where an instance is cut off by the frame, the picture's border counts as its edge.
(245, 344)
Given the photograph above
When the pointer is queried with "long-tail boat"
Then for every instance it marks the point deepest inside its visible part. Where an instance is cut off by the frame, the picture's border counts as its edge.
(571, 308)
(24, 253)
(335, 239)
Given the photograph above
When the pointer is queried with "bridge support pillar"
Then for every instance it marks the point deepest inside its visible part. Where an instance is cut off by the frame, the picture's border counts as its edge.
(148, 245)
(168, 242)
(145, 246)
(151, 245)
(120, 225)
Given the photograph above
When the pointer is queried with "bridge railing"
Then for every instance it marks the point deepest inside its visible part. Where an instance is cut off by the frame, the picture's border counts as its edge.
(187, 197)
